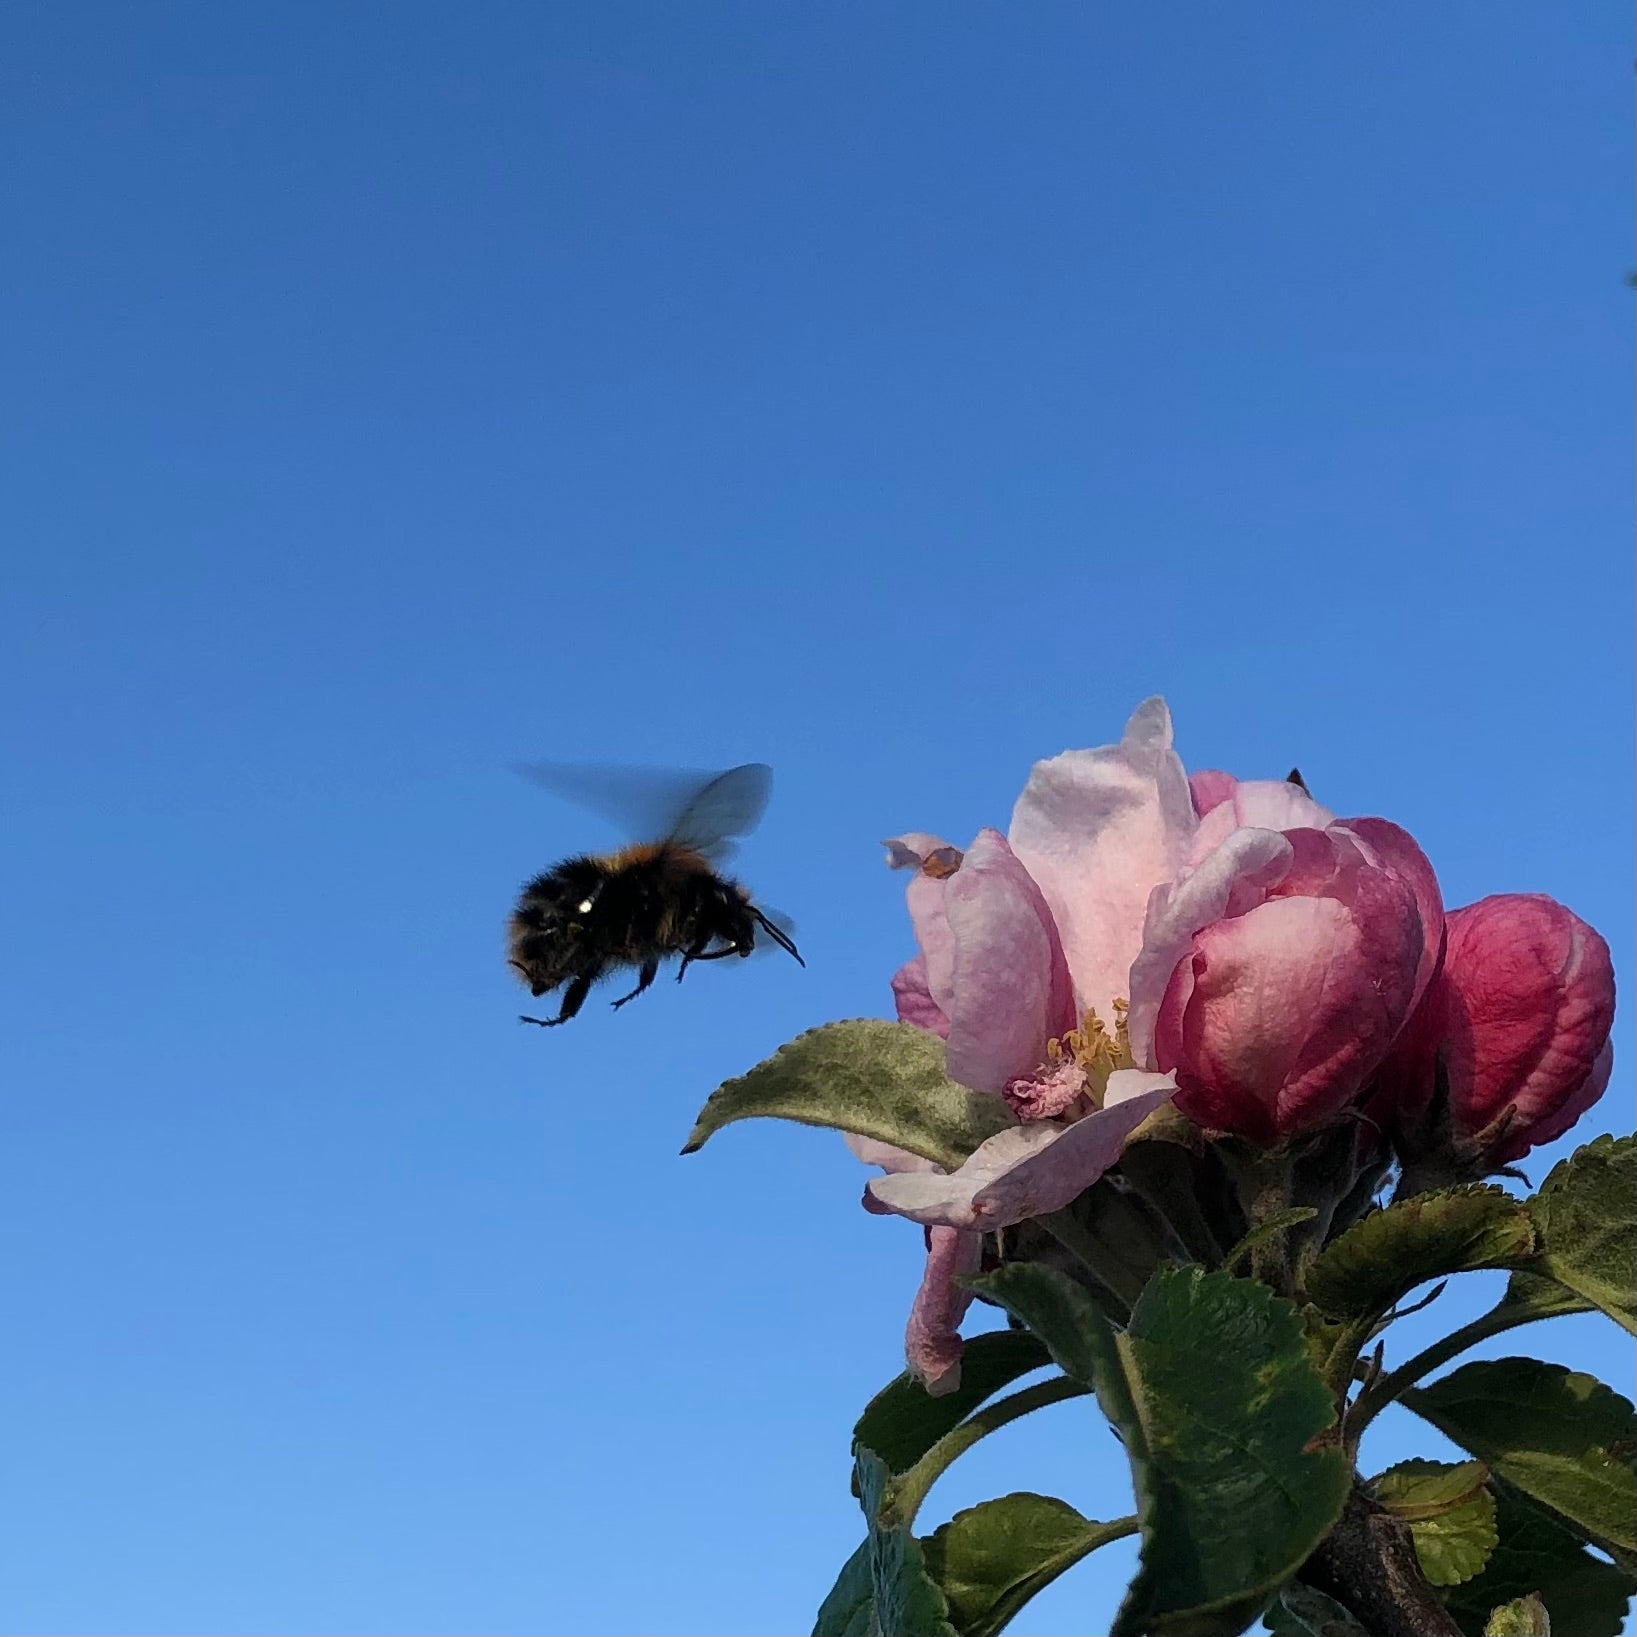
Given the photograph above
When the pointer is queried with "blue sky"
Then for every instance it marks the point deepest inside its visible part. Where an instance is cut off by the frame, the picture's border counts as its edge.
(896, 394)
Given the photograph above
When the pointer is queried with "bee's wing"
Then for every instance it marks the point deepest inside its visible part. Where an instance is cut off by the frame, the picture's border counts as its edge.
(730, 805)
(698, 809)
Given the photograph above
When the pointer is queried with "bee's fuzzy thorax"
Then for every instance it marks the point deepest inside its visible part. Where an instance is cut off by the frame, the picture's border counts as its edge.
(600, 913)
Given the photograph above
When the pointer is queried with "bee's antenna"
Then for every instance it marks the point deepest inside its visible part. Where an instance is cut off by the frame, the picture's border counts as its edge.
(779, 936)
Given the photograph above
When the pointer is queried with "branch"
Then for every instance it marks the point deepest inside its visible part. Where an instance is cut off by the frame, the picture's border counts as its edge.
(1369, 1564)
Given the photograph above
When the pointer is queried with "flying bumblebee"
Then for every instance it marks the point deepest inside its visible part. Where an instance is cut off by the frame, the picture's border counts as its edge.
(600, 913)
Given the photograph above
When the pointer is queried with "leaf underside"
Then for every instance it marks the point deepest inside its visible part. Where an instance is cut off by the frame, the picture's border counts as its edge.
(1561, 1439)
(1584, 1596)
(1586, 1216)
(874, 1078)
(1380, 1259)
(992, 1558)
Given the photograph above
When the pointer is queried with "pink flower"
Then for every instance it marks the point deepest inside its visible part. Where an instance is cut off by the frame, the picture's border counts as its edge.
(993, 980)
(1270, 956)
(1520, 1016)
(1283, 960)
(1275, 977)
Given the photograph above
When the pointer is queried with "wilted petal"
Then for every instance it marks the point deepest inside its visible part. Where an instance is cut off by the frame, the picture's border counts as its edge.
(1053, 1089)
(1032, 1169)
(1098, 829)
(914, 847)
(1010, 981)
(933, 861)
(1233, 876)
(932, 1339)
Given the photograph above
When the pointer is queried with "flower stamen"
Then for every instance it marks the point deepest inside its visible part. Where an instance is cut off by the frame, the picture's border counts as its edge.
(1075, 1074)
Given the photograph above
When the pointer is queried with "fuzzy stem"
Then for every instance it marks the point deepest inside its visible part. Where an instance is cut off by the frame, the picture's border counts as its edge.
(1376, 1397)
(1270, 1256)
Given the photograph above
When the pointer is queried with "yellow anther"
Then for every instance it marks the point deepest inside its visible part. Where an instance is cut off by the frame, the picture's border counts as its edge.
(1095, 1049)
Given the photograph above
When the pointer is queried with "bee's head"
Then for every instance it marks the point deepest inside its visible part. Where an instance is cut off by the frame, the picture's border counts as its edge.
(546, 934)
(542, 956)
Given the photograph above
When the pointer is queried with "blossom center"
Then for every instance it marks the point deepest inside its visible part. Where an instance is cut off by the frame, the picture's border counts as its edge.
(1074, 1076)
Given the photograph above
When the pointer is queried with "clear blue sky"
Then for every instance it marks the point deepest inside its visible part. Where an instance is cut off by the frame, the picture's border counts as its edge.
(894, 393)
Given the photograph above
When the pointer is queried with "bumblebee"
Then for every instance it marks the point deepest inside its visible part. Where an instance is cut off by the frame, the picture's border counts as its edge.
(598, 914)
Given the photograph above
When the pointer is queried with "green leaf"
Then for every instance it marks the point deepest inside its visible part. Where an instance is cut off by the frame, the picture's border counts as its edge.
(897, 1597)
(1200, 1471)
(1166, 1162)
(1560, 1438)
(877, 1079)
(1585, 1596)
(1530, 1296)
(991, 1559)
(1212, 1393)
(1450, 1513)
(849, 1610)
(1586, 1214)
(1055, 1308)
(1523, 1617)
(1300, 1611)
(903, 1421)
(1382, 1258)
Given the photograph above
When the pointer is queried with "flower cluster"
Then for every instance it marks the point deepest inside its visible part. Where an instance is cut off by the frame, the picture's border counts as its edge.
(1230, 947)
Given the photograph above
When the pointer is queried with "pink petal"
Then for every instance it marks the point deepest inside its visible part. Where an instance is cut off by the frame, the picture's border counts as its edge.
(872, 1151)
(1031, 1169)
(1232, 877)
(1552, 1126)
(1277, 804)
(1098, 829)
(1397, 849)
(1530, 998)
(1281, 1015)
(1210, 788)
(932, 1339)
(1009, 980)
(1263, 804)
(913, 999)
(933, 861)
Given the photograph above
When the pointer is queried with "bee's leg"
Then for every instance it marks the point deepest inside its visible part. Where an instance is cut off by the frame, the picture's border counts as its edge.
(573, 1000)
(650, 971)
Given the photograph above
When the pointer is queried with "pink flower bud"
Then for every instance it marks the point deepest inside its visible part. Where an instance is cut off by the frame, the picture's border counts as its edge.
(1276, 973)
(1520, 1016)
